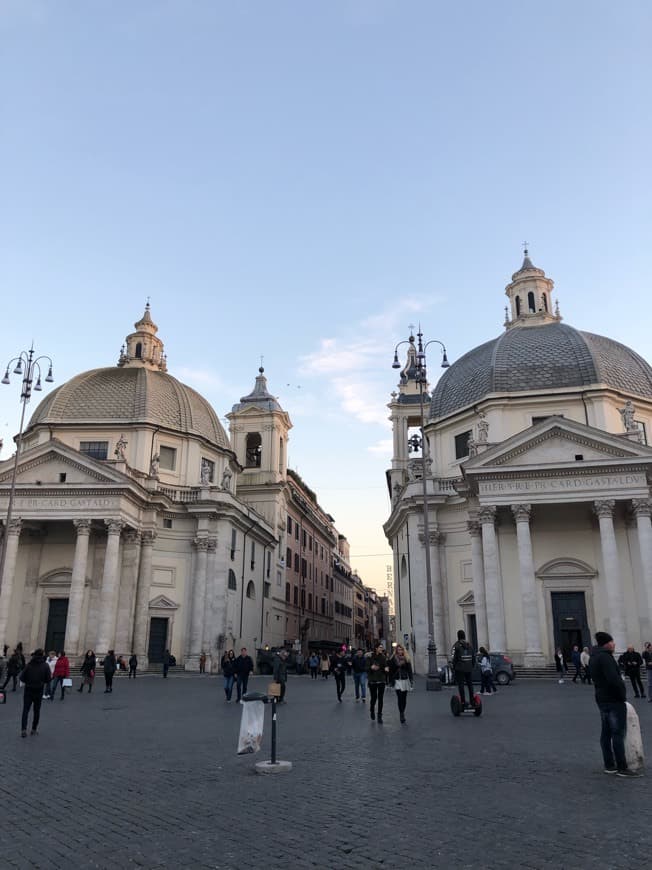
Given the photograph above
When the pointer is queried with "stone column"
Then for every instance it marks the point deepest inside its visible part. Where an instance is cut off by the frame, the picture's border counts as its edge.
(531, 629)
(642, 510)
(12, 536)
(477, 567)
(492, 581)
(196, 627)
(128, 584)
(210, 631)
(77, 585)
(141, 614)
(605, 512)
(110, 587)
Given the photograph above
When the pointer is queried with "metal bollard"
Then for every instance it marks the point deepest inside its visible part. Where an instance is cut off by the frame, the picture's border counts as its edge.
(274, 765)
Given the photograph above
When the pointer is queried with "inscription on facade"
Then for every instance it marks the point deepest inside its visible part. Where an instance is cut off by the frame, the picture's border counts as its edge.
(48, 504)
(562, 484)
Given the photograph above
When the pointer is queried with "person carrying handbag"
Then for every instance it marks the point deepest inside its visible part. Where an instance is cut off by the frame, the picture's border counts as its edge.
(401, 678)
(60, 675)
(88, 671)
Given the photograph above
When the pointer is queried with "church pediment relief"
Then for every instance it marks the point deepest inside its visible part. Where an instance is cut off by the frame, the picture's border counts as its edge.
(162, 602)
(555, 442)
(566, 568)
(466, 600)
(44, 465)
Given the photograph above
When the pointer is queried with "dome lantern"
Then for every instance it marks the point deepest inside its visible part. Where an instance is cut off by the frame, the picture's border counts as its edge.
(143, 348)
(530, 296)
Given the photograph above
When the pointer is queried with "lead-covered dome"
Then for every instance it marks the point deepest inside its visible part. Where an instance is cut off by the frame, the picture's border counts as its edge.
(139, 390)
(544, 357)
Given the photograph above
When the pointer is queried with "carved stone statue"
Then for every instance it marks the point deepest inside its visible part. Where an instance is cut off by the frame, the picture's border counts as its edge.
(120, 449)
(627, 414)
(154, 465)
(205, 473)
(226, 479)
(483, 429)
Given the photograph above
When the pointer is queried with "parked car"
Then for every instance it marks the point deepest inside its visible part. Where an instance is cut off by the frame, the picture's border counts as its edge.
(265, 659)
(502, 667)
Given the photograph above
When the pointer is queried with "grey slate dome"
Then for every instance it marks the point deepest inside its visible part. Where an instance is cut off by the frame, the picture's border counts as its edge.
(128, 396)
(543, 357)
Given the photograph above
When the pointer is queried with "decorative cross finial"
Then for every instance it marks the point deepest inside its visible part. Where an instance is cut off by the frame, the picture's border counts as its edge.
(148, 298)
(525, 250)
(261, 369)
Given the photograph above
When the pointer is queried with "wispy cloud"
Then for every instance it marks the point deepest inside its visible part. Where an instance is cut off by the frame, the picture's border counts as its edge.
(382, 448)
(200, 377)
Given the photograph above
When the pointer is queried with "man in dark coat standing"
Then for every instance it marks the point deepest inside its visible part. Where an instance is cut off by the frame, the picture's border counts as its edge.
(244, 665)
(610, 696)
(35, 675)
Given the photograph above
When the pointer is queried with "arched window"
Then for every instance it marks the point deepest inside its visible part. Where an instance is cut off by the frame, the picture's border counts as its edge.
(530, 302)
(139, 350)
(254, 450)
(545, 301)
(517, 303)
(251, 589)
(233, 583)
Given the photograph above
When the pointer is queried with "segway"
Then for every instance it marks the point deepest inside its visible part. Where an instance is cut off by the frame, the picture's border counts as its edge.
(457, 707)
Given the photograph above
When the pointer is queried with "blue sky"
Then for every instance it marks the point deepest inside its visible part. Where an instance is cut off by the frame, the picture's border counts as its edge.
(303, 180)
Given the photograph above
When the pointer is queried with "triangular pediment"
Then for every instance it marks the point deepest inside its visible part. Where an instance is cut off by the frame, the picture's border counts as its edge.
(558, 441)
(43, 466)
(162, 602)
(466, 599)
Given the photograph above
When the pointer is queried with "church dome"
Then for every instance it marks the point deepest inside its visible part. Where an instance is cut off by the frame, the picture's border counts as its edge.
(138, 391)
(540, 358)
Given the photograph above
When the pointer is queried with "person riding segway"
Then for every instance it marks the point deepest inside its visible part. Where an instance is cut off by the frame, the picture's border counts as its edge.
(463, 666)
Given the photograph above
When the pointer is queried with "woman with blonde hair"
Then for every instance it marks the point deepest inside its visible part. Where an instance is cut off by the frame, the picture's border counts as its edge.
(401, 678)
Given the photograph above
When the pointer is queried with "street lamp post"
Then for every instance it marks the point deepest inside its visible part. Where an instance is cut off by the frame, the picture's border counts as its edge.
(29, 366)
(433, 682)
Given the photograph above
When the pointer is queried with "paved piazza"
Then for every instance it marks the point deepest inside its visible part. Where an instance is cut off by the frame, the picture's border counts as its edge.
(149, 777)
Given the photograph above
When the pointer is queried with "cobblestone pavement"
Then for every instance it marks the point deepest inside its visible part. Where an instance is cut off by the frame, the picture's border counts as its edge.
(149, 777)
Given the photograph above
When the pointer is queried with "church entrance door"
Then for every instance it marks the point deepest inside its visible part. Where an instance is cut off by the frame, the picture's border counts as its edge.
(570, 623)
(55, 633)
(158, 638)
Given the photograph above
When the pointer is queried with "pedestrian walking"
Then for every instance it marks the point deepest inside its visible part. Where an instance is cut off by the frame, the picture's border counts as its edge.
(13, 669)
(281, 673)
(228, 672)
(202, 662)
(359, 667)
(576, 659)
(133, 665)
(325, 666)
(487, 686)
(313, 664)
(632, 661)
(610, 696)
(647, 658)
(377, 670)
(3, 668)
(560, 664)
(51, 661)
(298, 662)
(88, 671)
(462, 659)
(60, 676)
(35, 675)
(109, 663)
(167, 660)
(586, 671)
(401, 678)
(339, 668)
(244, 665)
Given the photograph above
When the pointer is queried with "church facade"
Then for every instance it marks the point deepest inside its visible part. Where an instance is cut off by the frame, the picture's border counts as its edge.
(538, 489)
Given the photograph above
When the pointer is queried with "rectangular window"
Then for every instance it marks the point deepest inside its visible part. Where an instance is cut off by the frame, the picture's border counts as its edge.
(167, 458)
(287, 592)
(296, 562)
(304, 538)
(303, 568)
(94, 449)
(323, 606)
(266, 589)
(167, 523)
(310, 601)
(279, 578)
(288, 557)
(233, 543)
(296, 595)
(269, 563)
(310, 542)
(303, 599)
(462, 444)
(296, 532)
(289, 525)
(62, 477)
(253, 555)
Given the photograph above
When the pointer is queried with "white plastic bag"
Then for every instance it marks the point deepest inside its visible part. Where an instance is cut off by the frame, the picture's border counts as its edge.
(251, 727)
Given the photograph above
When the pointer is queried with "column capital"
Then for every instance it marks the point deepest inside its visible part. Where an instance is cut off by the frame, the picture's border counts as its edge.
(487, 514)
(436, 537)
(132, 536)
(15, 525)
(83, 526)
(474, 528)
(641, 507)
(521, 512)
(200, 544)
(113, 527)
(212, 545)
(604, 507)
(148, 537)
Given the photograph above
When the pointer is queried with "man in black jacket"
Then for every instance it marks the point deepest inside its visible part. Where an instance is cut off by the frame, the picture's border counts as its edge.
(244, 665)
(35, 676)
(610, 696)
(463, 666)
(631, 661)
